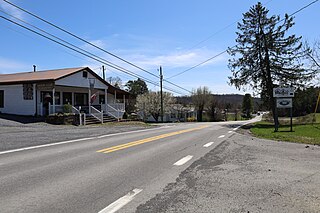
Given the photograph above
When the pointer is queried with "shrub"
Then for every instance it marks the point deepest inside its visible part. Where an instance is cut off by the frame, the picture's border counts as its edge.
(191, 119)
(67, 108)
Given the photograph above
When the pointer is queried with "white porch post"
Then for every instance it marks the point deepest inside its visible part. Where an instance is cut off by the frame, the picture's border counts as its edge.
(72, 99)
(106, 99)
(89, 101)
(91, 86)
(124, 102)
(115, 97)
(53, 100)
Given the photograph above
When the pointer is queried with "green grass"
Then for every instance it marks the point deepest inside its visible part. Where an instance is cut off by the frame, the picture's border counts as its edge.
(231, 117)
(303, 130)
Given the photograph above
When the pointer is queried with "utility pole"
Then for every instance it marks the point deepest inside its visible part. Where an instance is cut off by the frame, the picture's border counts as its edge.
(161, 96)
(103, 73)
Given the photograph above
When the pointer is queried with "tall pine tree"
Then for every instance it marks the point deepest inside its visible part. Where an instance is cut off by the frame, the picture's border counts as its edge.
(265, 56)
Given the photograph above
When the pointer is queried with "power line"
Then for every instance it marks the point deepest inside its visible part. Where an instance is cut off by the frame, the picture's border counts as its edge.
(90, 55)
(191, 68)
(87, 42)
(62, 40)
(221, 53)
(79, 38)
(219, 31)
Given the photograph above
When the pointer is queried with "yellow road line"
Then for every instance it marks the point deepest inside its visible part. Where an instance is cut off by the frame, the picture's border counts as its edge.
(146, 140)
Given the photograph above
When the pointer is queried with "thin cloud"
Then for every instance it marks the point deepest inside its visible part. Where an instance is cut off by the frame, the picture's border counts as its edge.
(10, 66)
(177, 59)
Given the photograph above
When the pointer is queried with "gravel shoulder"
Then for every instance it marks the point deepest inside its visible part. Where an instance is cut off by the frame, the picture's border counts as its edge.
(14, 135)
(246, 174)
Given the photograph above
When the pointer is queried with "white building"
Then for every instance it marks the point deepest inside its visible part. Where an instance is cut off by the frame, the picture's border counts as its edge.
(31, 93)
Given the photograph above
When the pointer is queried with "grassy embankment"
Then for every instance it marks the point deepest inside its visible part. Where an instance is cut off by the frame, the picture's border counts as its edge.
(306, 129)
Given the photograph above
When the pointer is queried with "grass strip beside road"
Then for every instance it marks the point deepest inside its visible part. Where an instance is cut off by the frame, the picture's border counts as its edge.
(146, 140)
(302, 133)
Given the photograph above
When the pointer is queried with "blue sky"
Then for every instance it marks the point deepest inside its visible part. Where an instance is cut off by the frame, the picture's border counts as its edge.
(147, 33)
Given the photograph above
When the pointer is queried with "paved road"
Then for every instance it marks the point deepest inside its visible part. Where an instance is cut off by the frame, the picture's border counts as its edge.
(245, 174)
(14, 135)
(90, 175)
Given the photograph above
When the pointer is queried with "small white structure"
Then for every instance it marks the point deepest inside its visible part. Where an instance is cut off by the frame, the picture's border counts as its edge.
(46, 92)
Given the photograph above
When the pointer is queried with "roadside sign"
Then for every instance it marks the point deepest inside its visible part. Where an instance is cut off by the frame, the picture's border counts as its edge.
(283, 92)
(284, 102)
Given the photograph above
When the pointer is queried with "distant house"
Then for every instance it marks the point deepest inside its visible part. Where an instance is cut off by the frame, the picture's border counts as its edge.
(46, 92)
(178, 113)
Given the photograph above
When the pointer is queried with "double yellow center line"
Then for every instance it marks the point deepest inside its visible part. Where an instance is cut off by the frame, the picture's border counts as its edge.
(146, 140)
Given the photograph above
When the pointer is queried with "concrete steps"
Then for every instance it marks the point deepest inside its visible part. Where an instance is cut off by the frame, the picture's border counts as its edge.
(106, 118)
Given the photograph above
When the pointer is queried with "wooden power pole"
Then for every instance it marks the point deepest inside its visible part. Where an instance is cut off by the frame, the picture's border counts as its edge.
(161, 95)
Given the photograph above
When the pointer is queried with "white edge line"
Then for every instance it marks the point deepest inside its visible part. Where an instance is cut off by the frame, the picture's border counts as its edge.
(44, 145)
(72, 141)
(208, 144)
(221, 136)
(183, 160)
(121, 202)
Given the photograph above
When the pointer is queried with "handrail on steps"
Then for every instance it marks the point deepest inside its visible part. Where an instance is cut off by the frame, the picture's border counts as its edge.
(114, 109)
(95, 111)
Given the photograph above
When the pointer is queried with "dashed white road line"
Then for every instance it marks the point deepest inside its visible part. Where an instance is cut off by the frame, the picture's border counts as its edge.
(121, 202)
(235, 129)
(183, 160)
(221, 136)
(230, 132)
(208, 144)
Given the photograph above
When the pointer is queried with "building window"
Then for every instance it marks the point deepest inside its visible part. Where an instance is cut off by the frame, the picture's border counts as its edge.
(102, 99)
(81, 99)
(85, 74)
(67, 98)
(1, 98)
(57, 98)
(28, 91)
(48, 97)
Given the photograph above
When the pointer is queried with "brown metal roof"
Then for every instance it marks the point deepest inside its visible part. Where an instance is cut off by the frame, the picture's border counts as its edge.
(47, 75)
(51, 75)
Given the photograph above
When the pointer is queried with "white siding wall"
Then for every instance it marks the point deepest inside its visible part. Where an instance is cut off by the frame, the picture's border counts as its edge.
(77, 80)
(110, 98)
(14, 102)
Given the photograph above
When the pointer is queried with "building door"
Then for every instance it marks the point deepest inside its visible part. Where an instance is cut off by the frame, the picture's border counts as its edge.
(81, 99)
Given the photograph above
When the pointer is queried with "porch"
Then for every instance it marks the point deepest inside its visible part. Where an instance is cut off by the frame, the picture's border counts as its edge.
(93, 102)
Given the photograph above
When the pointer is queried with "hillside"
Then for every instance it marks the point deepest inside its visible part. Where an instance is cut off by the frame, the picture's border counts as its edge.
(233, 100)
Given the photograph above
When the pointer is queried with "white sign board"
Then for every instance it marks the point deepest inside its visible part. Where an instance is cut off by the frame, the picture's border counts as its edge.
(283, 92)
(284, 102)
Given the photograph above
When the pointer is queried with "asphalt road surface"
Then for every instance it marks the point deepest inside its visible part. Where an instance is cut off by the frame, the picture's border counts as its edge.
(89, 175)
(123, 171)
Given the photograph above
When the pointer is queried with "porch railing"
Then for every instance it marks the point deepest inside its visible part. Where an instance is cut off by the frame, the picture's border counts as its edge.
(119, 106)
(97, 114)
(113, 111)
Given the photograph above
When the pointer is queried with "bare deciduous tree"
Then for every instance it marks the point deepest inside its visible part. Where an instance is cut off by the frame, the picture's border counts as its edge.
(200, 98)
(149, 104)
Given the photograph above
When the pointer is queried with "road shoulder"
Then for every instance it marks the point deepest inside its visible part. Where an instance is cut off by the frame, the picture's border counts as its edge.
(246, 174)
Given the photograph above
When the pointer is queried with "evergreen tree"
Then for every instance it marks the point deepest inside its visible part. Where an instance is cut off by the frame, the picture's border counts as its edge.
(247, 105)
(135, 88)
(264, 56)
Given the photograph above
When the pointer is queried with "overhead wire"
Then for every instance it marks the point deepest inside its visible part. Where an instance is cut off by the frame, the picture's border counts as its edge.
(79, 38)
(221, 53)
(219, 31)
(89, 55)
(87, 42)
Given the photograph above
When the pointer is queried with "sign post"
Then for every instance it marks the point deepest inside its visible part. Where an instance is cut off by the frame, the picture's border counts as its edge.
(284, 99)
